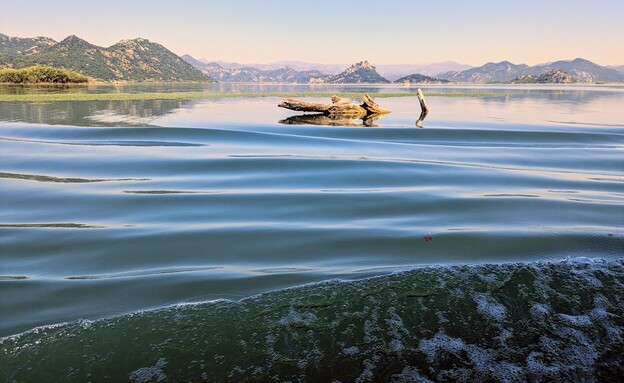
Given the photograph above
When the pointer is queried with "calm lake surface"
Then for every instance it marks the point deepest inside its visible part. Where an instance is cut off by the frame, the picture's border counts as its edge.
(112, 207)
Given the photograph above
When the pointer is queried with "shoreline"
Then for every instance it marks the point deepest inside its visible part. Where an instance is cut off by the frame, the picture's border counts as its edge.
(396, 84)
(53, 97)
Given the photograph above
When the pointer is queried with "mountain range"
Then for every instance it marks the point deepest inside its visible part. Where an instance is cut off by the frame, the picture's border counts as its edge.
(580, 69)
(235, 72)
(128, 60)
(252, 74)
(360, 73)
(300, 66)
(141, 60)
(394, 72)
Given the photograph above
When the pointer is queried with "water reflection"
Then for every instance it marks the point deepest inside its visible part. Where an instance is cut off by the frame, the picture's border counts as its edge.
(98, 113)
(322, 119)
(552, 92)
(518, 104)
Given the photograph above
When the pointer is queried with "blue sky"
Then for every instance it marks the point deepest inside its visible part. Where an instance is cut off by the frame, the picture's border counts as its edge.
(383, 32)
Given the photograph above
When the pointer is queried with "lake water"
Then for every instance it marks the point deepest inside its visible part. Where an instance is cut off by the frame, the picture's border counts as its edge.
(109, 208)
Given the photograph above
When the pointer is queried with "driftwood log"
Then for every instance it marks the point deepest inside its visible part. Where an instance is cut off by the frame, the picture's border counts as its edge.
(340, 107)
(343, 111)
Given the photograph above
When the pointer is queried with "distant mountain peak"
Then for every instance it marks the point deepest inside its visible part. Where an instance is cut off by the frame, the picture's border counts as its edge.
(72, 38)
(74, 41)
(359, 73)
(364, 64)
(361, 65)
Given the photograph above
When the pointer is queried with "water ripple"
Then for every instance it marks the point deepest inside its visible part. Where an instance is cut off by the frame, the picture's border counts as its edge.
(106, 143)
(44, 178)
(145, 273)
(52, 225)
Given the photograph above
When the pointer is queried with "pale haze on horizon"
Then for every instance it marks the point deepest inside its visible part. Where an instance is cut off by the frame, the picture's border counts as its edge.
(332, 32)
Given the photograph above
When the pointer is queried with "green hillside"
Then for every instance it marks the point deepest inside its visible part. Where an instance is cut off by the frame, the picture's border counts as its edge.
(129, 60)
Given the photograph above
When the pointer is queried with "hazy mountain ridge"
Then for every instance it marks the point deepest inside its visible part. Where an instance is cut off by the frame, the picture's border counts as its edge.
(252, 74)
(360, 73)
(389, 71)
(580, 69)
(300, 66)
(490, 72)
(619, 68)
(128, 60)
(394, 72)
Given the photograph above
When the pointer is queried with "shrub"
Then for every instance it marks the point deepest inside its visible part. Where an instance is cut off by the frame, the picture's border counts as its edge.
(41, 74)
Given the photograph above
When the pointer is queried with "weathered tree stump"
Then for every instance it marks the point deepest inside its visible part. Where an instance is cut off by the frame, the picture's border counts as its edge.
(339, 107)
(424, 109)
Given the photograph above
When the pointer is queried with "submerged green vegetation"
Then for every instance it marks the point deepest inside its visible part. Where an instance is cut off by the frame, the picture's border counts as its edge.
(48, 97)
(536, 322)
(41, 74)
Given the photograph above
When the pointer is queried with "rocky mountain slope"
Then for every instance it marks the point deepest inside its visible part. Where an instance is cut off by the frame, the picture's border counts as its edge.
(128, 60)
(555, 77)
(23, 45)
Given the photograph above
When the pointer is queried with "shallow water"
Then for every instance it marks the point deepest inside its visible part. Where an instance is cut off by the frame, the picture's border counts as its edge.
(110, 207)
(537, 322)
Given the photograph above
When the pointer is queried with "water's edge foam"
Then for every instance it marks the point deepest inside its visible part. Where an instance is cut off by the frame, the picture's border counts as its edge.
(540, 321)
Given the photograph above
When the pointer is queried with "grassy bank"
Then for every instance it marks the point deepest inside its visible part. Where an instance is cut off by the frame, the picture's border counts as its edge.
(50, 97)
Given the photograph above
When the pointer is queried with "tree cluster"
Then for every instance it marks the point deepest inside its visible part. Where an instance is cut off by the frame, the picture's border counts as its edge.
(41, 74)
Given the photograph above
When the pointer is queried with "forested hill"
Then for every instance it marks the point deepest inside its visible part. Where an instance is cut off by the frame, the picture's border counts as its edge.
(128, 60)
